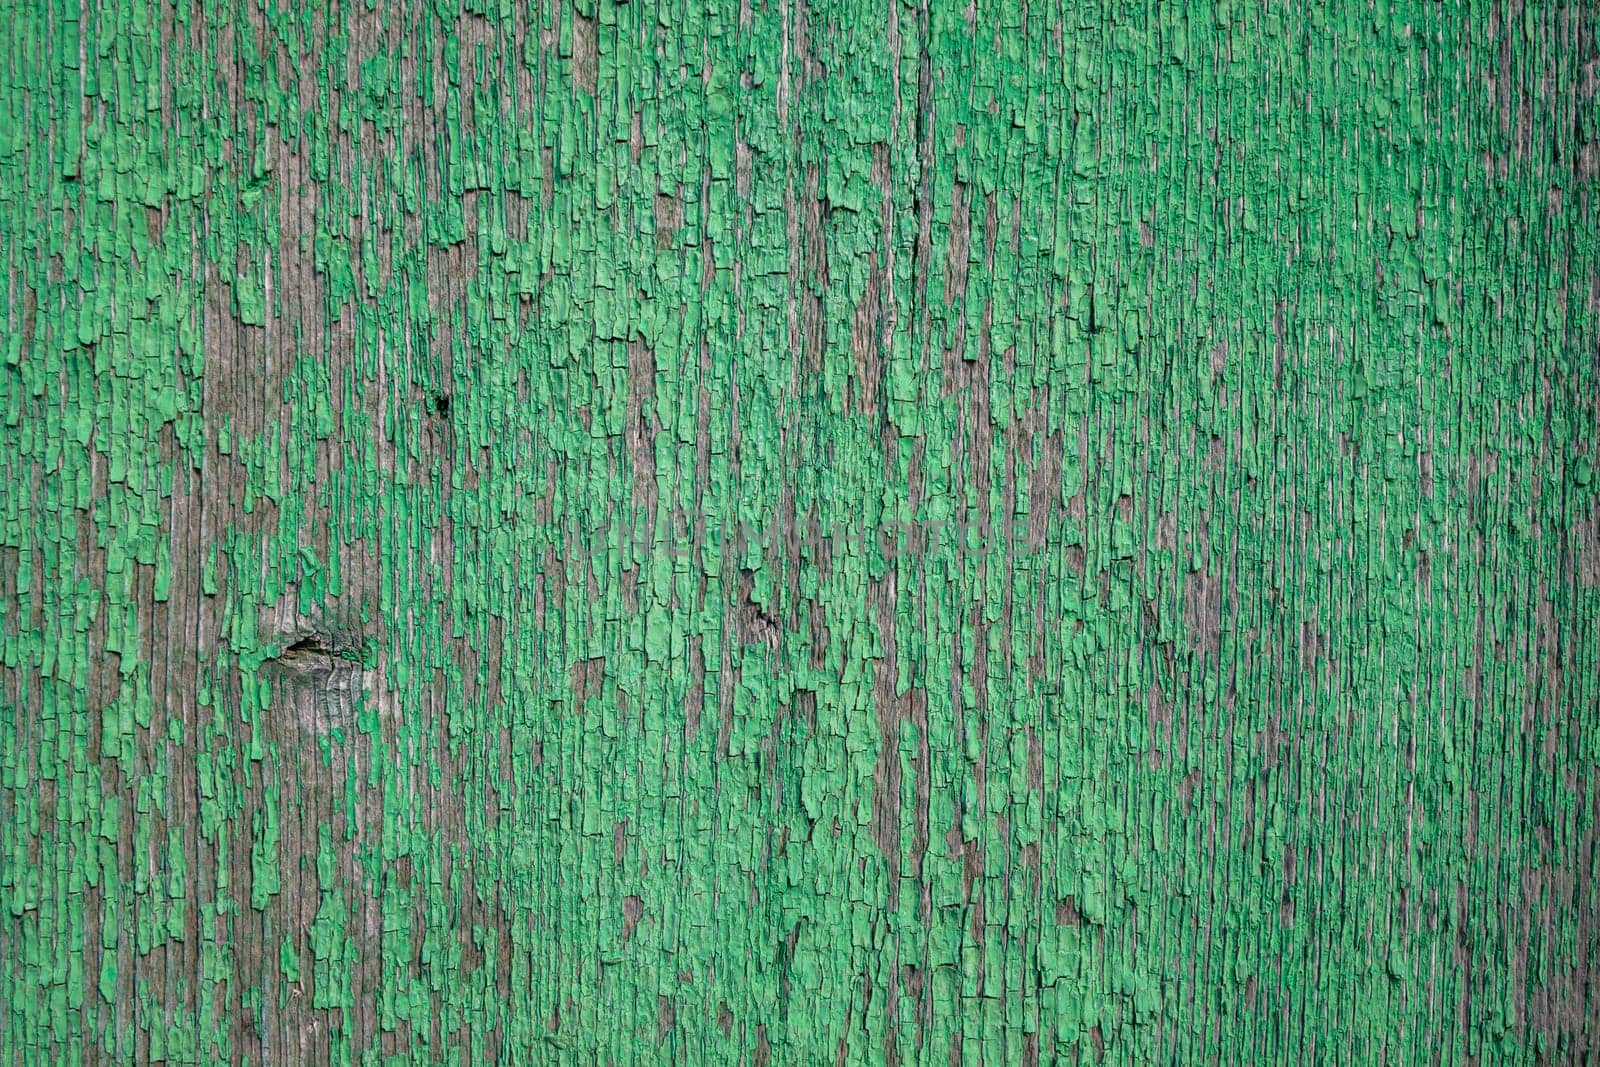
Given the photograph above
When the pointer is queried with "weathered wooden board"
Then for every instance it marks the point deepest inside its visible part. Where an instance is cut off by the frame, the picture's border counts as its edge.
(799, 533)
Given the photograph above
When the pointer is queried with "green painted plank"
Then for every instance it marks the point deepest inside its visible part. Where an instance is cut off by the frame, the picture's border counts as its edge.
(797, 533)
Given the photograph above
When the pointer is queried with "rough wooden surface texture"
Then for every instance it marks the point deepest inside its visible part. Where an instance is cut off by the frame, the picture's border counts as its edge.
(794, 532)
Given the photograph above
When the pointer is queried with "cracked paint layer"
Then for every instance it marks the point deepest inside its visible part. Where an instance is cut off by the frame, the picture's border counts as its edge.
(797, 533)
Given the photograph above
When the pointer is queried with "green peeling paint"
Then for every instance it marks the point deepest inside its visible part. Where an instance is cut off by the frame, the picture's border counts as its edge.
(799, 533)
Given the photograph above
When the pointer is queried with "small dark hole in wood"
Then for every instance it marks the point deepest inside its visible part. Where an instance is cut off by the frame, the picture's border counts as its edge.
(311, 643)
(441, 405)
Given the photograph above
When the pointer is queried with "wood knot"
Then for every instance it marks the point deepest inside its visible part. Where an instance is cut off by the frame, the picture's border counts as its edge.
(322, 652)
